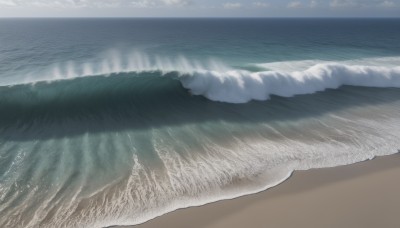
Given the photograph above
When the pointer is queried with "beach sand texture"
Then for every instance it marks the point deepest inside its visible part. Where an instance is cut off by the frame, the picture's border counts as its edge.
(364, 195)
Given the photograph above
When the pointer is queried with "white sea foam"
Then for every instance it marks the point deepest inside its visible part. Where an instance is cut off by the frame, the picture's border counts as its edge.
(301, 65)
(242, 86)
(207, 177)
(264, 164)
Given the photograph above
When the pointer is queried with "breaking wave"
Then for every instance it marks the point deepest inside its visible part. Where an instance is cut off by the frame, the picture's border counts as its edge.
(242, 86)
(219, 82)
(122, 145)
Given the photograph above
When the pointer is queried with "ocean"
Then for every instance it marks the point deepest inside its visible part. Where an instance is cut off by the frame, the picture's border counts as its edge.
(108, 122)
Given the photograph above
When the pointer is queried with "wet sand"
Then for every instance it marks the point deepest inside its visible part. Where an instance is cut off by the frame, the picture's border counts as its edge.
(365, 195)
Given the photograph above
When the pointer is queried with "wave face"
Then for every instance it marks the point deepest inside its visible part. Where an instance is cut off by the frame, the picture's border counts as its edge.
(219, 82)
(96, 139)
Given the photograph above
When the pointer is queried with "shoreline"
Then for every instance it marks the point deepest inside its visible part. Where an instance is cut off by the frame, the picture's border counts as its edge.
(356, 195)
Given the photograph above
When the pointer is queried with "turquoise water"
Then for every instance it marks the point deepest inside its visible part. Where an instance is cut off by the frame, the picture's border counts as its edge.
(115, 121)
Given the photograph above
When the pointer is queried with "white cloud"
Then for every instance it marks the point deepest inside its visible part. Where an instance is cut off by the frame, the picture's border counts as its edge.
(387, 4)
(176, 2)
(232, 5)
(7, 3)
(94, 4)
(343, 3)
(314, 4)
(378, 5)
(371, 4)
(261, 4)
(143, 3)
(294, 4)
(61, 3)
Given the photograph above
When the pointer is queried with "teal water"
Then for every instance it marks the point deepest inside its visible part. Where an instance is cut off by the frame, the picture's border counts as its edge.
(115, 121)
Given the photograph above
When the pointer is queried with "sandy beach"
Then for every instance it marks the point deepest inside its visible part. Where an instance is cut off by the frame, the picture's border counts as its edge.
(359, 195)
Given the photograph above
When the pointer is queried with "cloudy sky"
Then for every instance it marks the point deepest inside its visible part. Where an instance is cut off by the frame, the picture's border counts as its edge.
(199, 8)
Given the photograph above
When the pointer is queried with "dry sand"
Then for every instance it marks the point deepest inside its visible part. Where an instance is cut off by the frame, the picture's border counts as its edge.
(365, 195)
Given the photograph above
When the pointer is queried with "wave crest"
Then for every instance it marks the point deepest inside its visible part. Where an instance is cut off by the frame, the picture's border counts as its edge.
(219, 82)
(242, 86)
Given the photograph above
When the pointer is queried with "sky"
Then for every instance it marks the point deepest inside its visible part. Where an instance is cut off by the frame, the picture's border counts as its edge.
(199, 8)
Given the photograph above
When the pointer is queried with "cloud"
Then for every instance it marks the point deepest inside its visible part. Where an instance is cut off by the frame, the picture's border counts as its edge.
(371, 4)
(85, 5)
(294, 4)
(60, 3)
(142, 3)
(343, 3)
(232, 5)
(314, 4)
(95, 4)
(159, 3)
(7, 3)
(387, 4)
(176, 2)
(261, 4)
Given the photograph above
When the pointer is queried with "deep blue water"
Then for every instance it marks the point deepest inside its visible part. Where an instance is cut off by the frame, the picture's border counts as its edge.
(40, 42)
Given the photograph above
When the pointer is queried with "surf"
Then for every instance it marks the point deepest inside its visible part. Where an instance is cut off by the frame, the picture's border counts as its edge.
(218, 81)
(100, 150)
(243, 86)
